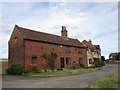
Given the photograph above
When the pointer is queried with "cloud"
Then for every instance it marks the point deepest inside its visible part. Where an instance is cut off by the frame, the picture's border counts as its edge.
(6, 28)
(96, 21)
(109, 43)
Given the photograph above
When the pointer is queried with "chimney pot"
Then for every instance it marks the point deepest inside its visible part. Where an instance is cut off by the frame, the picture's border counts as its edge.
(63, 28)
(64, 31)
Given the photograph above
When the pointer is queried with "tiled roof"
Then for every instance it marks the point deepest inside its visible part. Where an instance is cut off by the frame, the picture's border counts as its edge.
(113, 54)
(97, 46)
(49, 38)
(90, 45)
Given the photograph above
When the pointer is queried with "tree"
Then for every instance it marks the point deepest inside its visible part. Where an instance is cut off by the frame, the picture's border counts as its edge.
(99, 63)
(50, 59)
(102, 58)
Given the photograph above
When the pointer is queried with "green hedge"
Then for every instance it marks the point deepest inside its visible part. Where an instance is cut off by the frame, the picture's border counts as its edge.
(15, 69)
(34, 69)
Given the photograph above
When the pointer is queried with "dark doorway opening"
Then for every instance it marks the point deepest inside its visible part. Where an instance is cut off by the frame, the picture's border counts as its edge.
(62, 62)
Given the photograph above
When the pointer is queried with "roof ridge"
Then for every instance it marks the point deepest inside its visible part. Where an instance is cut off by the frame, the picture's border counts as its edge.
(41, 32)
(31, 34)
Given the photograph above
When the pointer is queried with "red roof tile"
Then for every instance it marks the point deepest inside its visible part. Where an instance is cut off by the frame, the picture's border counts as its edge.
(49, 38)
(90, 45)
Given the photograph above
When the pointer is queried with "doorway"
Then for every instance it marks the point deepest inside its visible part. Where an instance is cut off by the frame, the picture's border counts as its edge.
(62, 62)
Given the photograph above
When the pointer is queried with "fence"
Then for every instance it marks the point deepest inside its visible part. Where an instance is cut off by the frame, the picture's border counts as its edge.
(3, 66)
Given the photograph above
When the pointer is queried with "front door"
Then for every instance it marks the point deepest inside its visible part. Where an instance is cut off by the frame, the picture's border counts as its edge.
(62, 62)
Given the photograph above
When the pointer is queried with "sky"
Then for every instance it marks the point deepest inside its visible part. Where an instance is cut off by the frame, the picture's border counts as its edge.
(97, 21)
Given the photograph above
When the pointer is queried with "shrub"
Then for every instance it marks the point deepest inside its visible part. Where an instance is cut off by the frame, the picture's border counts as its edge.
(34, 68)
(26, 71)
(102, 63)
(59, 69)
(99, 63)
(92, 67)
(75, 65)
(81, 65)
(38, 71)
(45, 70)
(50, 60)
(15, 69)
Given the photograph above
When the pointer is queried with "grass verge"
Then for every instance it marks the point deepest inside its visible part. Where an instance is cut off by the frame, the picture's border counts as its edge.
(65, 72)
(107, 82)
(58, 73)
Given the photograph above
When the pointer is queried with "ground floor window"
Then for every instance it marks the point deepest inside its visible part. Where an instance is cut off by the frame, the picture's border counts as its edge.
(34, 59)
(80, 61)
(68, 61)
(90, 61)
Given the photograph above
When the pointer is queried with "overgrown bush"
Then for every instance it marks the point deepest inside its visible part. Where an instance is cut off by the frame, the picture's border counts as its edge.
(92, 67)
(50, 60)
(15, 69)
(45, 70)
(34, 68)
(59, 69)
(102, 63)
(75, 65)
(26, 71)
(38, 71)
(81, 65)
(99, 63)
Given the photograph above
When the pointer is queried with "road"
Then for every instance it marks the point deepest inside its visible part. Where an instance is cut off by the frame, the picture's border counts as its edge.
(73, 81)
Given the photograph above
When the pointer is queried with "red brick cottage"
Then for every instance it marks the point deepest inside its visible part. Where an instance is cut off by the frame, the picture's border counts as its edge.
(27, 47)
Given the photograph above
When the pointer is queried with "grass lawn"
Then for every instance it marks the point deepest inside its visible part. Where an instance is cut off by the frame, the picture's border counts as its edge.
(65, 72)
(107, 82)
(59, 73)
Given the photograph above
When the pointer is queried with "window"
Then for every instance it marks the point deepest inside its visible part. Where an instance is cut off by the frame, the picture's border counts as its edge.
(15, 39)
(68, 61)
(67, 49)
(80, 61)
(80, 50)
(34, 58)
(90, 61)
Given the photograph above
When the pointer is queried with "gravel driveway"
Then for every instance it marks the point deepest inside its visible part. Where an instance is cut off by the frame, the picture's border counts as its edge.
(73, 81)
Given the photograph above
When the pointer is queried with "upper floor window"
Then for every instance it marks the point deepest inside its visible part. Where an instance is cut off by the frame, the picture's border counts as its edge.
(67, 49)
(68, 60)
(80, 50)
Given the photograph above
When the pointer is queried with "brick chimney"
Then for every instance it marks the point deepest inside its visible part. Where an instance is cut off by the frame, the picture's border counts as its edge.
(64, 31)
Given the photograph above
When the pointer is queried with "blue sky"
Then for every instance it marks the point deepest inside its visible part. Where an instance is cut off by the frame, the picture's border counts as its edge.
(97, 21)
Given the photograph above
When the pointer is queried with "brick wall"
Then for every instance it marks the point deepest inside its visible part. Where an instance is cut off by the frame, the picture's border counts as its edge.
(16, 49)
(33, 48)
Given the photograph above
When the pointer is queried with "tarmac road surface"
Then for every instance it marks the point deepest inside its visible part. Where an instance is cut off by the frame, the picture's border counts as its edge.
(73, 81)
